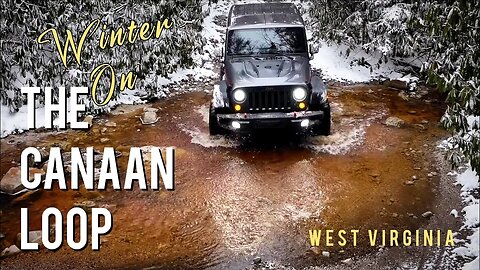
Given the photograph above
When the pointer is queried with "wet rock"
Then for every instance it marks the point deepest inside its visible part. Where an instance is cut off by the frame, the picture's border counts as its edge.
(325, 254)
(348, 261)
(395, 215)
(112, 208)
(33, 237)
(89, 120)
(393, 121)
(150, 109)
(409, 183)
(420, 126)
(427, 214)
(315, 250)
(64, 146)
(123, 148)
(103, 130)
(45, 166)
(12, 142)
(126, 108)
(44, 153)
(414, 177)
(377, 180)
(2, 235)
(412, 112)
(86, 205)
(10, 251)
(397, 84)
(263, 200)
(25, 197)
(429, 175)
(67, 159)
(4, 244)
(97, 173)
(44, 156)
(11, 182)
(104, 140)
(403, 95)
(111, 124)
(424, 122)
(149, 116)
(40, 130)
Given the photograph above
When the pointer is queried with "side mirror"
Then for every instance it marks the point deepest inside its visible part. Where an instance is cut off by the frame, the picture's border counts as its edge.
(313, 49)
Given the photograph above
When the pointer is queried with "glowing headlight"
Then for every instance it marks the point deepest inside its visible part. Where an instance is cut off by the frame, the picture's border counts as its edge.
(239, 96)
(299, 94)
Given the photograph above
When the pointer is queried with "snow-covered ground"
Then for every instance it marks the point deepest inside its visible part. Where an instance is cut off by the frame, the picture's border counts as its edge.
(468, 180)
(468, 249)
(335, 65)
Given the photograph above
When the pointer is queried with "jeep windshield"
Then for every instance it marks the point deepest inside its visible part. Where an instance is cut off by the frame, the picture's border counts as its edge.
(281, 40)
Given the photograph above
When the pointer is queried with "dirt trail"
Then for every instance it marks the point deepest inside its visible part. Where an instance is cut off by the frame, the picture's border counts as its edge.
(241, 198)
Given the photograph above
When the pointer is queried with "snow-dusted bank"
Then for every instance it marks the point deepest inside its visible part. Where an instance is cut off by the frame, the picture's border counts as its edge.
(336, 65)
(468, 249)
(468, 180)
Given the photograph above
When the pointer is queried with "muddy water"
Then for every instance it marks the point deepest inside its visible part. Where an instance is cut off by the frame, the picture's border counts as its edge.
(240, 198)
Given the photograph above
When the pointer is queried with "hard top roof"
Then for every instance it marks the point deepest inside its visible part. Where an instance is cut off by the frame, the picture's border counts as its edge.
(254, 15)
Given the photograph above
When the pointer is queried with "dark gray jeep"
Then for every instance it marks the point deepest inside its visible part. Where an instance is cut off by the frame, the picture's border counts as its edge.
(266, 77)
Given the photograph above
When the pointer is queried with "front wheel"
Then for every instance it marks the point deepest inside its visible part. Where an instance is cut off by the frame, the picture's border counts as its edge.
(214, 127)
(325, 127)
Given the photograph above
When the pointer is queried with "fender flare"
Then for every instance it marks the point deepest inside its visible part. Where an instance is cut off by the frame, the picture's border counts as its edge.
(220, 97)
(318, 89)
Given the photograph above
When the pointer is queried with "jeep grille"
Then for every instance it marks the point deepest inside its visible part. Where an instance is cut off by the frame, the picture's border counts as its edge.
(269, 99)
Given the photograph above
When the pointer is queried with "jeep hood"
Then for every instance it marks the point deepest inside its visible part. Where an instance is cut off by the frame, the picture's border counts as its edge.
(268, 71)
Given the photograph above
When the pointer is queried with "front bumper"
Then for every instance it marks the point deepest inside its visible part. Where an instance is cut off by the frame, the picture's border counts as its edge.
(243, 122)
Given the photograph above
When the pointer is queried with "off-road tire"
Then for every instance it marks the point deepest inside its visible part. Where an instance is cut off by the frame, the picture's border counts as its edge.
(325, 127)
(214, 127)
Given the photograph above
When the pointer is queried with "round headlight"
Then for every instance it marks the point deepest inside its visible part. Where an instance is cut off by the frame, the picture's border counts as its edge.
(239, 96)
(299, 94)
